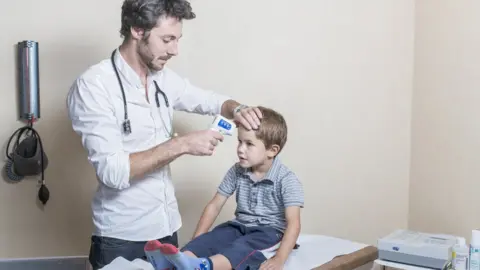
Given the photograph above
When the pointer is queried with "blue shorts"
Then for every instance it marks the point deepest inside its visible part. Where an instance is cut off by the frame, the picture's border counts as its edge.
(241, 245)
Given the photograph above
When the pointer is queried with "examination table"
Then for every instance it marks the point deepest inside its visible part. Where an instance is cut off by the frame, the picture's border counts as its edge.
(316, 252)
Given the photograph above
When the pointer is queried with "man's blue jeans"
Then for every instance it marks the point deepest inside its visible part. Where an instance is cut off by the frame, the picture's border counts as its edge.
(103, 250)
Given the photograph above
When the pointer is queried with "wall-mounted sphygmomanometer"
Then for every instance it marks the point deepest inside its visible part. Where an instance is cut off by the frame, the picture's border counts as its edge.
(25, 153)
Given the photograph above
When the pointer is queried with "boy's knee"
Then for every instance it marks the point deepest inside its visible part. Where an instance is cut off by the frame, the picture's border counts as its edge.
(241, 256)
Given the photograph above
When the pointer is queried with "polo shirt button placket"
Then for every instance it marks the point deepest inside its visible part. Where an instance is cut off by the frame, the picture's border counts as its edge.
(254, 196)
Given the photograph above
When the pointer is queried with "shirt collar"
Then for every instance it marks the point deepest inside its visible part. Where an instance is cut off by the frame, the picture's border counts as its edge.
(129, 75)
(273, 172)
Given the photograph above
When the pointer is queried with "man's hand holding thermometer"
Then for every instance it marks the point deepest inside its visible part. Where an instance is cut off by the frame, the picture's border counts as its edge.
(203, 142)
(222, 125)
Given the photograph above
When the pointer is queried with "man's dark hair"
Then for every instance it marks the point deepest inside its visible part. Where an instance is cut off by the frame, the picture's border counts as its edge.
(144, 14)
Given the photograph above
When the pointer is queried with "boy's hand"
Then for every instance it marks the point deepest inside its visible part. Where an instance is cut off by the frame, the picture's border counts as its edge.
(273, 263)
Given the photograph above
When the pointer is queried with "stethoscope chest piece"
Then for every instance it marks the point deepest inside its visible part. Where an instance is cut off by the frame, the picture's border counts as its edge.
(127, 128)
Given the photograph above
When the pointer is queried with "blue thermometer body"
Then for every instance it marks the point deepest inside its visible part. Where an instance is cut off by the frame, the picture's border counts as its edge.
(223, 125)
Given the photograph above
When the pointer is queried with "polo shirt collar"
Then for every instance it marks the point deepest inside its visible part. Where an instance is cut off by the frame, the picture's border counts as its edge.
(273, 172)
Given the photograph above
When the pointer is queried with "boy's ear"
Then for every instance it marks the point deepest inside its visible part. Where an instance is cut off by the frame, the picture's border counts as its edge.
(273, 150)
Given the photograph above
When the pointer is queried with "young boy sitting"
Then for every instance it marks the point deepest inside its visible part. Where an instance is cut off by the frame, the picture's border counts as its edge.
(269, 197)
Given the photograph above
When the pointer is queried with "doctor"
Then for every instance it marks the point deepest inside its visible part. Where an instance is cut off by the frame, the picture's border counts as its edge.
(122, 108)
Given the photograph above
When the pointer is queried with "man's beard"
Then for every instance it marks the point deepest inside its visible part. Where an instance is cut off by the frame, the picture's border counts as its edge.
(147, 57)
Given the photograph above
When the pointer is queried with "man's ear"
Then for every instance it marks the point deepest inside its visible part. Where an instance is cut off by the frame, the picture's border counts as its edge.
(273, 150)
(137, 33)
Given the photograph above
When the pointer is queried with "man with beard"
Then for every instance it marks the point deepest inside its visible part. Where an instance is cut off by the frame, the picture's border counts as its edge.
(122, 108)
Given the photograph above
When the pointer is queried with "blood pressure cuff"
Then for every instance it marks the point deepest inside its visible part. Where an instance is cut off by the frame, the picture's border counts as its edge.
(27, 157)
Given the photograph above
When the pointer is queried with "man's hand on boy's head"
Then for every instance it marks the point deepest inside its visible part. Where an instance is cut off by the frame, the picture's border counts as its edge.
(273, 263)
(248, 117)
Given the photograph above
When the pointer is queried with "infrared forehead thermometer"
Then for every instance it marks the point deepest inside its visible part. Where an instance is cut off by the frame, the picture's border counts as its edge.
(223, 125)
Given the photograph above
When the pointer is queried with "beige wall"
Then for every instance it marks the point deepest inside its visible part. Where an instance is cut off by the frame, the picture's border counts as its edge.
(340, 71)
(446, 130)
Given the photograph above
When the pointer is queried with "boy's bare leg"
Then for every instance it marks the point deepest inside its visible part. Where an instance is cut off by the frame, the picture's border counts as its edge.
(188, 253)
(220, 262)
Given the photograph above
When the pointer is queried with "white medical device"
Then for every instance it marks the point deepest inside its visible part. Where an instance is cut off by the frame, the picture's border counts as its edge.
(223, 125)
(417, 248)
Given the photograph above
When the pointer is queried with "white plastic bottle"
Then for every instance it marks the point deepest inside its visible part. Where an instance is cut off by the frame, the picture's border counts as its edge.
(475, 251)
(460, 254)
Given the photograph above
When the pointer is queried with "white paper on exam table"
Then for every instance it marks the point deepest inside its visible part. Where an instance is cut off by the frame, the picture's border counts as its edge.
(314, 251)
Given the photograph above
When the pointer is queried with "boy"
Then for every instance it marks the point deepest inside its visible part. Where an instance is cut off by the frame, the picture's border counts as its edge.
(269, 197)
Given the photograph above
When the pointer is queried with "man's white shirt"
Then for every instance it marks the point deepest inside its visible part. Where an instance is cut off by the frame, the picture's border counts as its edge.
(147, 208)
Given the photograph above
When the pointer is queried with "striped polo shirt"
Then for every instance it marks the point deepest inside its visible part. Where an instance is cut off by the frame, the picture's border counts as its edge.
(263, 202)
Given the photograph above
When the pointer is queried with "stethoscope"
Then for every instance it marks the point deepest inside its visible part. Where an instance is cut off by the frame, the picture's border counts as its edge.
(127, 128)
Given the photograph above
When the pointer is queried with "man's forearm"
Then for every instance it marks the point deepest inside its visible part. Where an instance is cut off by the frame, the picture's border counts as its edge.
(228, 107)
(289, 240)
(161, 155)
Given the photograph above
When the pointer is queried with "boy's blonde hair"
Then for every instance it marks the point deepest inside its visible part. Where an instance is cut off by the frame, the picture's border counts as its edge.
(273, 128)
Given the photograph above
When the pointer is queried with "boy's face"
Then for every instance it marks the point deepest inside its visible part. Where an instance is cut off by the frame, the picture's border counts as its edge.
(251, 151)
